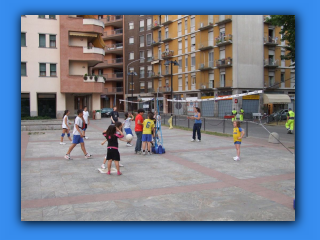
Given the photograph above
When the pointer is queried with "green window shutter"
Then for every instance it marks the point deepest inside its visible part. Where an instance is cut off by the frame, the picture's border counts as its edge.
(52, 16)
(23, 39)
(42, 40)
(52, 37)
(53, 67)
(42, 67)
(42, 16)
(23, 69)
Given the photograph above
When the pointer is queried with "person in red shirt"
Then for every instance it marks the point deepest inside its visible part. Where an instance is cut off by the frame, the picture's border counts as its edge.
(138, 129)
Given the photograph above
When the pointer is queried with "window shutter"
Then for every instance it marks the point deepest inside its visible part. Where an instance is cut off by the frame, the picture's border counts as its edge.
(52, 67)
(52, 37)
(42, 40)
(42, 67)
(23, 69)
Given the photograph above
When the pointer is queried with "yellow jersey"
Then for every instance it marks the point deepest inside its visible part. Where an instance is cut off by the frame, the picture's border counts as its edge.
(148, 125)
(236, 134)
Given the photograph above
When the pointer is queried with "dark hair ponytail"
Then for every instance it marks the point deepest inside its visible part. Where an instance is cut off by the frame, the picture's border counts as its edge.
(65, 113)
(111, 131)
(198, 109)
(126, 115)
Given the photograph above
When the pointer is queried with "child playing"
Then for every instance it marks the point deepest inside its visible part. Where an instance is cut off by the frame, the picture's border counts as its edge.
(148, 126)
(237, 136)
(112, 153)
(65, 127)
(126, 125)
(78, 136)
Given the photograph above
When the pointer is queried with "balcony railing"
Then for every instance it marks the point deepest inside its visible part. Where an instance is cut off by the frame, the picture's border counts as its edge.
(223, 40)
(164, 89)
(114, 47)
(94, 50)
(268, 40)
(206, 66)
(156, 57)
(155, 25)
(149, 74)
(205, 25)
(156, 74)
(166, 73)
(226, 62)
(113, 75)
(113, 90)
(205, 45)
(112, 18)
(91, 21)
(156, 42)
(149, 59)
(222, 19)
(167, 54)
(150, 90)
(167, 37)
(209, 85)
(270, 63)
(113, 33)
(167, 21)
(115, 61)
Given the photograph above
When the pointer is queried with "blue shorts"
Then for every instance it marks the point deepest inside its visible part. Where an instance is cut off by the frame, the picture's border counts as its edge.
(146, 137)
(77, 139)
(237, 142)
(128, 131)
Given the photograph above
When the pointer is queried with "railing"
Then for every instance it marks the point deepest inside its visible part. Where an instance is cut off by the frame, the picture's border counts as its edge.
(149, 59)
(149, 74)
(205, 45)
(167, 36)
(166, 72)
(271, 40)
(271, 62)
(156, 57)
(154, 74)
(116, 75)
(206, 65)
(210, 84)
(223, 39)
(220, 19)
(115, 61)
(94, 50)
(205, 24)
(150, 90)
(167, 54)
(113, 32)
(224, 62)
(155, 25)
(156, 42)
(113, 90)
(112, 18)
(165, 89)
(113, 47)
(167, 20)
(141, 29)
(93, 22)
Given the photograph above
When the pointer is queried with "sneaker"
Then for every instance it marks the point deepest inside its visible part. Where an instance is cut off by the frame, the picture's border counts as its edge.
(62, 143)
(139, 152)
(109, 173)
(119, 173)
(103, 166)
(129, 145)
(85, 137)
(149, 153)
(120, 165)
(88, 155)
(198, 140)
(236, 158)
(143, 153)
(192, 140)
(67, 156)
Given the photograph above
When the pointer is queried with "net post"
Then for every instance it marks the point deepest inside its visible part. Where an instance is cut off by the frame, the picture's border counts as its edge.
(247, 130)
(224, 126)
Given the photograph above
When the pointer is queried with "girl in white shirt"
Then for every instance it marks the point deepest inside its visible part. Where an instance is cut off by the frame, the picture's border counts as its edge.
(127, 125)
(65, 127)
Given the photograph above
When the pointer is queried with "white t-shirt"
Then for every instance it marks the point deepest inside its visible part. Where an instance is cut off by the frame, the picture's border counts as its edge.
(127, 123)
(78, 122)
(63, 121)
(86, 116)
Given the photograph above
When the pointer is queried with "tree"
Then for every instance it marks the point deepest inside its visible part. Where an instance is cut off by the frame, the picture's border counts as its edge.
(287, 22)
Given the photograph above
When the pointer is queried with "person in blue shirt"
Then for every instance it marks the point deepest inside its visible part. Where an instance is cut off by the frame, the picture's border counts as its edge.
(197, 124)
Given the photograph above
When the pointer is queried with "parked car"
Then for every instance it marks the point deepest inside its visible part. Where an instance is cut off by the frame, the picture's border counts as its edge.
(280, 115)
(105, 112)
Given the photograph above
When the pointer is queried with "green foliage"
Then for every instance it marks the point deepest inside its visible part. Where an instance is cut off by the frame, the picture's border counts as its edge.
(288, 32)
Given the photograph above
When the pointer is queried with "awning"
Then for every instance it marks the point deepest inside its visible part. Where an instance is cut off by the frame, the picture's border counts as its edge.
(276, 98)
(98, 42)
(82, 34)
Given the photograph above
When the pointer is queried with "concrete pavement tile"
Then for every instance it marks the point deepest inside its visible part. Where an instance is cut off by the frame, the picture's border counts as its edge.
(31, 214)
(65, 210)
(50, 211)
(71, 217)
(286, 187)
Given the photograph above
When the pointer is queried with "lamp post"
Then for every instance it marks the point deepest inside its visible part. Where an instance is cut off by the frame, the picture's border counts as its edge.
(129, 74)
(132, 73)
(167, 63)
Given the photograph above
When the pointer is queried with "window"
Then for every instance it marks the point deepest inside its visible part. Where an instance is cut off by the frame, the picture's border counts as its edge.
(150, 86)
(166, 18)
(179, 16)
(149, 24)
(192, 24)
(23, 40)
(141, 56)
(282, 77)
(131, 40)
(180, 83)
(100, 72)
(131, 56)
(222, 54)
(131, 25)
(141, 72)
(180, 47)
(211, 80)
(52, 16)
(186, 45)
(150, 71)
(42, 16)
(42, 40)
(271, 78)
(141, 86)
(210, 59)
(43, 70)
(52, 41)
(131, 86)
(222, 79)
(141, 41)
(131, 69)
(180, 63)
(166, 33)
(141, 25)
(53, 72)
(100, 17)
(149, 55)
(149, 39)
(179, 29)
(186, 83)
(193, 61)
(193, 83)
(23, 69)
(185, 25)
(159, 53)
(193, 44)
(186, 63)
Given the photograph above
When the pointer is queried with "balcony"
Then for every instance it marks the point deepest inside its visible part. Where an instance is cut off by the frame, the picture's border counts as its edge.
(166, 73)
(156, 75)
(204, 25)
(76, 84)
(92, 55)
(223, 40)
(92, 79)
(155, 25)
(167, 37)
(150, 90)
(270, 63)
(113, 20)
(155, 42)
(149, 74)
(164, 89)
(113, 90)
(222, 19)
(205, 46)
(167, 21)
(113, 35)
(167, 54)
(111, 63)
(156, 57)
(270, 41)
(206, 66)
(94, 50)
(226, 62)
(114, 48)
(206, 86)
(150, 59)
(113, 76)
(90, 21)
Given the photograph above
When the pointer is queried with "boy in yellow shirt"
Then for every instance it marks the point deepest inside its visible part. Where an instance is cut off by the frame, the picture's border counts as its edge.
(148, 127)
(238, 134)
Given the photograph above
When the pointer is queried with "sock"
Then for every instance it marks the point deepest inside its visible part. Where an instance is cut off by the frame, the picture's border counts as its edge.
(143, 151)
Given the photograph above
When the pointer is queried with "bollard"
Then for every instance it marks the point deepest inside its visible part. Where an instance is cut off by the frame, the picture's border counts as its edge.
(247, 130)
(204, 124)
(224, 126)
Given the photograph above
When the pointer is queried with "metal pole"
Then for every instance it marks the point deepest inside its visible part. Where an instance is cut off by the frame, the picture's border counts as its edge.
(171, 91)
(188, 122)
(247, 129)
(131, 92)
(204, 124)
(224, 126)
(175, 120)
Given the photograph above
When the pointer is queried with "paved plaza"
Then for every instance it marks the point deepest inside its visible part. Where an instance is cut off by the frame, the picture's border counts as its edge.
(192, 181)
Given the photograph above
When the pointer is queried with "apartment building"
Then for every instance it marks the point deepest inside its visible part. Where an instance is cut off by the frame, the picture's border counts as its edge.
(138, 58)
(111, 69)
(219, 55)
(40, 66)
